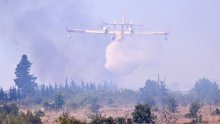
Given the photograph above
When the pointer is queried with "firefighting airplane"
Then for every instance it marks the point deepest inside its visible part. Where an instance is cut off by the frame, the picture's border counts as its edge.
(118, 35)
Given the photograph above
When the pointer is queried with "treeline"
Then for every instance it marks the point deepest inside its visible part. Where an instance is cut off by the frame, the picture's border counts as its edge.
(93, 95)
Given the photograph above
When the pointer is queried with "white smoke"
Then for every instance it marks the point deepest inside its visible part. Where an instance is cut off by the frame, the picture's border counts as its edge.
(123, 57)
(37, 29)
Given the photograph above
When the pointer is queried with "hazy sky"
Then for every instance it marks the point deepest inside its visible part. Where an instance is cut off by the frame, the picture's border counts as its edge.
(37, 28)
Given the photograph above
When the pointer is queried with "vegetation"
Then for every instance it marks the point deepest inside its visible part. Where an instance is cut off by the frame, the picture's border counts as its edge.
(99, 119)
(143, 114)
(194, 108)
(167, 117)
(172, 104)
(154, 92)
(57, 104)
(58, 101)
(193, 113)
(24, 81)
(95, 119)
(217, 111)
(9, 114)
(206, 91)
(66, 119)
(93, 96)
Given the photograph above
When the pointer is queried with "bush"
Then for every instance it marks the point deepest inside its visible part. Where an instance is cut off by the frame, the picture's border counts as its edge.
(57, 103)
(216, 111)
(94, 107)
(194, 108)
(99, 119)
(172, 104)
(129, 121)
(66, 119)
(9, 109)
(47, 106)
(9, 114)
(120, 120)
(39, 113)
(32, 119)
(142, 114)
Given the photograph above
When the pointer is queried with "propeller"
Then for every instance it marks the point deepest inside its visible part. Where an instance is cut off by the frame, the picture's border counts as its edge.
(69, 35)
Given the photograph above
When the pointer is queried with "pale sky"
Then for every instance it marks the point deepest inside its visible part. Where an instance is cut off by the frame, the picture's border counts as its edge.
(37, 28)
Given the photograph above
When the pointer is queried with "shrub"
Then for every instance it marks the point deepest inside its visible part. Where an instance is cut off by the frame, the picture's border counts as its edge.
(194, 108)
(120, 120)
(216, 111)
(9, 114)
(47, 106)
(32, 119)
(94, 107)
(58, 101)
(142, 114)
(172, 104)
(39, 113)
(9, 109)
(99, 119)
(66, 119)
(129, 121)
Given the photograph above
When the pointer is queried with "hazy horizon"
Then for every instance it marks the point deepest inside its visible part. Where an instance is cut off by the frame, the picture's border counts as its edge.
(37, 29)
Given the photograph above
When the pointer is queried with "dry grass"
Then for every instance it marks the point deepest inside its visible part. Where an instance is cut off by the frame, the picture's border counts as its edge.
(205, 111)
(125, 111)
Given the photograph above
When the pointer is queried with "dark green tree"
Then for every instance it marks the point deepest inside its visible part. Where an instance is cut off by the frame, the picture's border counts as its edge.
(58, 101)
(194, 108)
(154, 92)
(142, 114)
(3, 95)
(24, 80)
(205, 91)
(12, 94)
(172, 104)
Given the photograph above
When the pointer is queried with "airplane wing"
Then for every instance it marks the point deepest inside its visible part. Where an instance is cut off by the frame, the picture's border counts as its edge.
(148, 33)
(131, 24)
(85, 31)
(89, 31)
(151, 33)
(126, 24)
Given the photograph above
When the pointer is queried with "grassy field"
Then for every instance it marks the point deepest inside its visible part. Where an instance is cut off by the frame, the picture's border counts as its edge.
(125, 111)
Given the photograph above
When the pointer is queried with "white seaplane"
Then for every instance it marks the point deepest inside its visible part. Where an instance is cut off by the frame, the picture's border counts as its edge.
(125, 29)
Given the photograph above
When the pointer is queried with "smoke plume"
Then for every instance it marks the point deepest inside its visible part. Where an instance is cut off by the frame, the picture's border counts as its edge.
(37, 28)
(124, 57)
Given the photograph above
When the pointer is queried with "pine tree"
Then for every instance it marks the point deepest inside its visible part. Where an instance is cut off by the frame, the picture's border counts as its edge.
(66, 84)
(24, 81)
(58, 101)
(12, 94)
(2, 95)
(172, 104)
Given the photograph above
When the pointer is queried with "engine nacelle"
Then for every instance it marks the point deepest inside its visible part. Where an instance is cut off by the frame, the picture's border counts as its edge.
(113, 37)
(131, 30)
(106, 29)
